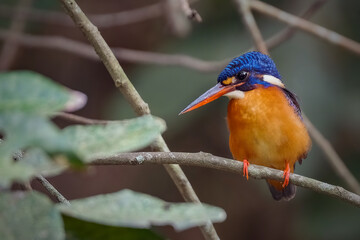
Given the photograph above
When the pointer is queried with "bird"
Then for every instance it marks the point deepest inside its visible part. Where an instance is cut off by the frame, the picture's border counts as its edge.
(264, 118)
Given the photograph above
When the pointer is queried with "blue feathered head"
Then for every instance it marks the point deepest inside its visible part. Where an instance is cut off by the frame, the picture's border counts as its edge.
(251, 62)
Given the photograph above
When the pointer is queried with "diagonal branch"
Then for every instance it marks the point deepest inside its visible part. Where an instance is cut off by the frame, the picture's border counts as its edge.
(250, 23)
(210, 161)
(306, 26)
(288, 32)
(132, 96)
(335, 161)
(52, 190)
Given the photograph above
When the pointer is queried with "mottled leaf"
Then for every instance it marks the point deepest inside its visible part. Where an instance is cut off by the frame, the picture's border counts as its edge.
(136, 210)
(27, 91)
(96, 141)
(29, 216)
(23, 130)
(33, 163)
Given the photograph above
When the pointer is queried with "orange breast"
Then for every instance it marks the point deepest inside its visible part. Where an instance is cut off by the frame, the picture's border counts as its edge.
(265, 130)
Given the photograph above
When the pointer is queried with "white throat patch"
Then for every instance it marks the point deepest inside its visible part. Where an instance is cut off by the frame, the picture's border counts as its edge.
(237, 94)
(273, 80)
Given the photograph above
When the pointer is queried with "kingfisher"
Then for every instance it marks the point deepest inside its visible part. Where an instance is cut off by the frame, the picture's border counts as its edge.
(264, 118)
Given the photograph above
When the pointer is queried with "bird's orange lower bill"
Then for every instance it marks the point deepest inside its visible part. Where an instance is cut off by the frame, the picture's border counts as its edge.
(212, 94)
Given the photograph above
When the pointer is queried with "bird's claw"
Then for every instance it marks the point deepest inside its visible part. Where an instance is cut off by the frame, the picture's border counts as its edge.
(245, 169)
(286, 176)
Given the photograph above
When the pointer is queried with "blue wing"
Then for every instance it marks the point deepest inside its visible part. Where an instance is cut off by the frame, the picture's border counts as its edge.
(292, 98)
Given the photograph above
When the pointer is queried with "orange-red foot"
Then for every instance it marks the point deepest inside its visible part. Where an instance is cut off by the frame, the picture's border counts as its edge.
(245, 168)
(286, 176)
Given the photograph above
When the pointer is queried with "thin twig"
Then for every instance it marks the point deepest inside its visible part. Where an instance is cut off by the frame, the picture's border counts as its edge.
(307, 26)
(52, 190)
(189, 12)
(128, 55)
(335, 161)
(17, 26)
(250, 23)
(210, 161)
(127, 17)
(136, 56)
(140, 107)
(107, 20)
(83, 120)
(288, 32)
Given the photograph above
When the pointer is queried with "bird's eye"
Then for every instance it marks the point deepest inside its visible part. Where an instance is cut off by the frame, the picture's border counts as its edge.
(242, 75)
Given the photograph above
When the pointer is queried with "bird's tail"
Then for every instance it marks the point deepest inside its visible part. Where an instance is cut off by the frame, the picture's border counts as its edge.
(278, 192)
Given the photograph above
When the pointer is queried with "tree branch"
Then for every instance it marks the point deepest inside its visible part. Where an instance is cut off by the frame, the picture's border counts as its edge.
(132, 96)
(79, 119)
(208, 160)
(335, 161)
(52, 190)
(306, 26)
(101, 20)
(189, 12)
(288, 32)
(250, 23)
(128, 55)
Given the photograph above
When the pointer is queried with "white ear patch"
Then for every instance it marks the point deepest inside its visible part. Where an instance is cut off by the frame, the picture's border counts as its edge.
(273, 80)
(237, 94)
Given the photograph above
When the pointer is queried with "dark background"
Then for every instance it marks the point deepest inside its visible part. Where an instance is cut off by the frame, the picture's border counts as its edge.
(324, 76)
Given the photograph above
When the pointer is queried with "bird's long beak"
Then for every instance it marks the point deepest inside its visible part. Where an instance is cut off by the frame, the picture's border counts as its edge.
(212, 94)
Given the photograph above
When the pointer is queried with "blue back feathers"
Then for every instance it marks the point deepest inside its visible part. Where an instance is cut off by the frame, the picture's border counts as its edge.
(252, 62)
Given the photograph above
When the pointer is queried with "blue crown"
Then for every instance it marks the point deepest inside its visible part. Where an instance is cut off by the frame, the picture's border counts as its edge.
(252, 62)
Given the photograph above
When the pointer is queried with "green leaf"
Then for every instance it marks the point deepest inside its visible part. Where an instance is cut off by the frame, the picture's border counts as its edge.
(24, 130)
(31, 92)
(34, 162)
(29, 216)
(81, 230)
(136, 210)
(97, 141)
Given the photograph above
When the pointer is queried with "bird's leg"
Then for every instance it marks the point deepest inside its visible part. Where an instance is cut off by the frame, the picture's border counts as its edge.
(286, 175)
(245, 168)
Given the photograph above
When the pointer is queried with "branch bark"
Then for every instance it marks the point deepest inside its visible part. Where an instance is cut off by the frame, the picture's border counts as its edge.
(132, 96)
(208, 160)
(52, 190)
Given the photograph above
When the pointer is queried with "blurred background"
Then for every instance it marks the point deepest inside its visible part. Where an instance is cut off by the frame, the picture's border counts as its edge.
(324, 76)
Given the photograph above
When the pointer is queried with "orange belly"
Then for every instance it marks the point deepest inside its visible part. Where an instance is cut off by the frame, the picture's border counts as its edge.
(265, 130)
